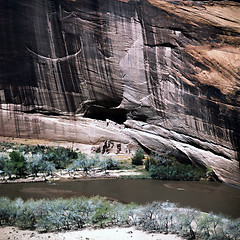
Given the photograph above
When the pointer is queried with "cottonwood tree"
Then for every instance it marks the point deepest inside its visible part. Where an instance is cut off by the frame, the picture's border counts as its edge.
(19, 163)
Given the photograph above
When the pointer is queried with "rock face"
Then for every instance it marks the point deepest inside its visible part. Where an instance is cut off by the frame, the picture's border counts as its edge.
(117, 73)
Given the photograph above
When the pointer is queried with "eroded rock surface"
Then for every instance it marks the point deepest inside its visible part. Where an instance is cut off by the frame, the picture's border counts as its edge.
(114, 74)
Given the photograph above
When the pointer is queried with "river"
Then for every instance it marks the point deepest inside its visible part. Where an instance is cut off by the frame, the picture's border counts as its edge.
(205, 196)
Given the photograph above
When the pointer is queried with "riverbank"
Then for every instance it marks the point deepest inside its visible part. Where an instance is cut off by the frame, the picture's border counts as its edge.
(75, 175)
(129, 233)
(43, 163)
(69, 215)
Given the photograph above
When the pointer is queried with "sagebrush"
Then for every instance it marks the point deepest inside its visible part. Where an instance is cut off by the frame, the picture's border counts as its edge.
(76, 213)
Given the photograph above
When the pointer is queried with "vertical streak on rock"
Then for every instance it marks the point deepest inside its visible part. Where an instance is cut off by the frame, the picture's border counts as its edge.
(151, 60)
(134, 80)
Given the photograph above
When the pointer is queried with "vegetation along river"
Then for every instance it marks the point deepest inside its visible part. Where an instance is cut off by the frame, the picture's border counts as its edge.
(205, 196)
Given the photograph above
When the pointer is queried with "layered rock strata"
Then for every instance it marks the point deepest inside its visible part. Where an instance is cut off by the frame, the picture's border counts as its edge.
(164, 75)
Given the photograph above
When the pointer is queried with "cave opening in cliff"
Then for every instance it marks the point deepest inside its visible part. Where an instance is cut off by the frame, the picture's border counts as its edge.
(103, 113)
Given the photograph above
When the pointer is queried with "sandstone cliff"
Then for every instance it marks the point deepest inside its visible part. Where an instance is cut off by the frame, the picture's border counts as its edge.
(166, 73)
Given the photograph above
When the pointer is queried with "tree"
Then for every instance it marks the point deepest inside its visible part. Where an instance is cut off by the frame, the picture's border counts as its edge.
(5, 165)
(48, 168)
(83, 162)
(37, 164)
(86, 164)
(19, 163)
(9, 169)
(3, 160)
(60, 156)
(34, 163)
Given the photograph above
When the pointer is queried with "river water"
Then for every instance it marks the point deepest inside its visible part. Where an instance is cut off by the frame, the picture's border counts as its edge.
(205, 196)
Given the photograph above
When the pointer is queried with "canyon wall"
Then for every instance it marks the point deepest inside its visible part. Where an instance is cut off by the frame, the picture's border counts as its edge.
(164, 75)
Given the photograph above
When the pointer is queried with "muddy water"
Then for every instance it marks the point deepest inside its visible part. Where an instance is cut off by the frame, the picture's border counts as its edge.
(205, 196)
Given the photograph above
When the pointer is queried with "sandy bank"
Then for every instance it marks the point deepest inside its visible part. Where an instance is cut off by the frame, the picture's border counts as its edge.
(78, 175)
(85, 234)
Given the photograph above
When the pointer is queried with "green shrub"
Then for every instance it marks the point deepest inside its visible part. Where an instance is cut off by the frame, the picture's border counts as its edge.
(81, 211)
(152, 160)
(147, 164)
(75, 213)
(83, 163)
(232, 230)
(121, 214)
(209, 174)
(6, 145)
(26, 217)
(138, 157)
(8, 212)
(102, 215)
(184, 225)
(181, 172)
(170, 169)
(108, 164)
(156, 217)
